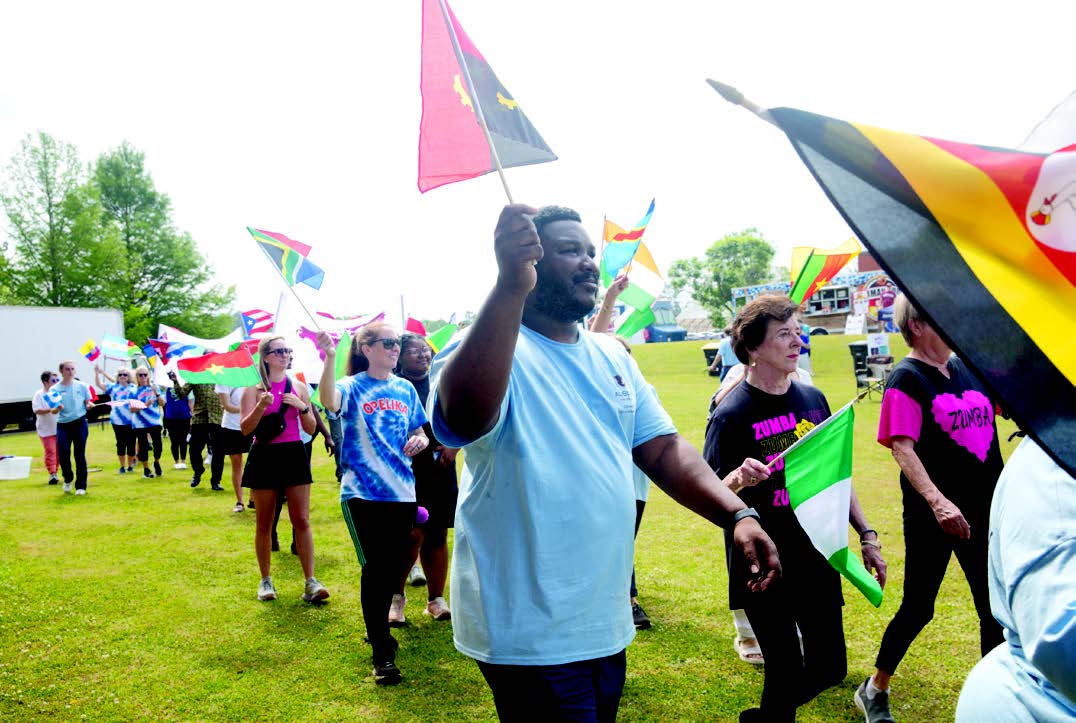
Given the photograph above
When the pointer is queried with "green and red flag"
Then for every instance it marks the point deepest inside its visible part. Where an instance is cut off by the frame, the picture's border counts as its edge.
(451, 144)
(982, 240)
(288, 257)
(812, 268)
(232, 369)
(818, 478)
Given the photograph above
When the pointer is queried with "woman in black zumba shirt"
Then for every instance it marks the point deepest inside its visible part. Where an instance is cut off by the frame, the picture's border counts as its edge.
(760, 418)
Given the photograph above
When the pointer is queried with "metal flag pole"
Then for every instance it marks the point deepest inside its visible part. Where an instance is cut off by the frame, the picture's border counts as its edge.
(475, 104)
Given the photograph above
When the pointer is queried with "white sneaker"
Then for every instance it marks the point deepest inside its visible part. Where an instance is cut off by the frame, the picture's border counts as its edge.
(80, 492)
(179, 465)
(266, 591)
(416, 578)
(396, 610)
(314, 591)
(438, 609)
(67, 486)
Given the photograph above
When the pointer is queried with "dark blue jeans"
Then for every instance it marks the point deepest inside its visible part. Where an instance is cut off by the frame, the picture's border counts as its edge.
(587, 691)
(70, 434)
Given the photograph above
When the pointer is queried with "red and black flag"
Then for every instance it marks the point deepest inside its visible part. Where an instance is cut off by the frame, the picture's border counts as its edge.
(982, 240)
(451, 144)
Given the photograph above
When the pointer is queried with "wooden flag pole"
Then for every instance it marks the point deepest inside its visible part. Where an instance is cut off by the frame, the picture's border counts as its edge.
(737, 98)
(475, 104)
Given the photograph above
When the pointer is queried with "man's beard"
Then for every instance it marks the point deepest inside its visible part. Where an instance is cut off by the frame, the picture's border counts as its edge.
(556, 299)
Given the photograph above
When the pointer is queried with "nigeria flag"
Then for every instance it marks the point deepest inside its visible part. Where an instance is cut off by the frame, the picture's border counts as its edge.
(818, 477)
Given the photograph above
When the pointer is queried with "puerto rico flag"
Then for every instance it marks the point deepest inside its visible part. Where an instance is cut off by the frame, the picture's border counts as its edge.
(256, 321)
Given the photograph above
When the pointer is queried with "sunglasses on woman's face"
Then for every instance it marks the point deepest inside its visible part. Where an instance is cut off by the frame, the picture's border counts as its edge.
(142, 376)
(123, 374)
(281, 351)
(389, 344)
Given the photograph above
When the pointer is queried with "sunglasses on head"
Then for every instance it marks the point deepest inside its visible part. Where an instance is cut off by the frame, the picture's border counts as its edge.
(389, 344)
(282, 351)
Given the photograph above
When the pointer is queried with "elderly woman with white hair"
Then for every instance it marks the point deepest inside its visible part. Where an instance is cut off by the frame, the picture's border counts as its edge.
(938, 420)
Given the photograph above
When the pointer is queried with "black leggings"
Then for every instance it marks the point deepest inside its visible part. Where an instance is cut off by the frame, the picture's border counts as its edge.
(177, 437)
(381, 532)
(793, 678)
(145, 437)
(928, 550)
(125, 440)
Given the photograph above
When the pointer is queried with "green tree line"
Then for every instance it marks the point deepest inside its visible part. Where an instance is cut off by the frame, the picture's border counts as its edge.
(101, 235)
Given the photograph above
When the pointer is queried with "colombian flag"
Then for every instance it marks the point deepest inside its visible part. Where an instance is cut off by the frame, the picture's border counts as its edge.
(812, 268)
(983, 240)
(451, 144)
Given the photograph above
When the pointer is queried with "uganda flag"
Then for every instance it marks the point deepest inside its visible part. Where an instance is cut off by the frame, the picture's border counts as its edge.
(981, 239)
(288, 257)
(451, 144)
(232, 369)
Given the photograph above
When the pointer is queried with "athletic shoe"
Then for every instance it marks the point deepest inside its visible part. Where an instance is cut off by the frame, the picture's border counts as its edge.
(179, 465)
(250, 503)
(80, 492)
(315, 591)
(239, 507)
(438, 609)
(146, 473)
(639, 617)
(216, 487)
(131, 468)
(67, 486)
(54, 480)
(876, 709)
(416, 578)
(123, 470)
(157, 468)
(196, 480)
(396, 610)
(386, 673)
(266, 591)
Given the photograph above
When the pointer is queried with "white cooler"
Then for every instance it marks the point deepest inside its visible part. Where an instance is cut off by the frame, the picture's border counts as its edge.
(15, 467)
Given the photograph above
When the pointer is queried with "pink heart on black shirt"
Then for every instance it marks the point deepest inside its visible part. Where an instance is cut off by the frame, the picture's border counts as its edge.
(969, 420)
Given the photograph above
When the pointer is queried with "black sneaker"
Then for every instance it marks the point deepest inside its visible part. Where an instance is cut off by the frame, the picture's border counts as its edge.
(147, 474)
(216, 487)
(157, 469)
(250, 504)
(639, 617)
(196, 480)
(876, 709)
(387, 673)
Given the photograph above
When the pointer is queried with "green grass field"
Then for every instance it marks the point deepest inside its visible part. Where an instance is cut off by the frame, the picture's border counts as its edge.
(138, 600)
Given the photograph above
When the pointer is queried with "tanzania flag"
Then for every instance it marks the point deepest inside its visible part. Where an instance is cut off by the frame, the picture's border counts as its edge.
(620, 245)
(232, 369)
(818, 478)
(90, 350)
(812, 268)
(451, 144)
(289, 258)
(983, 241)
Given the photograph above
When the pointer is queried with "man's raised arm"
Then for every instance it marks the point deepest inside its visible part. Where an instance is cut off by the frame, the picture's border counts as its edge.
(474, 380)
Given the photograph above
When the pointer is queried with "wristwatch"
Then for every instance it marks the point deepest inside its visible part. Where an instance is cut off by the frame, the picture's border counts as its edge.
(305, 410)
(745, 512)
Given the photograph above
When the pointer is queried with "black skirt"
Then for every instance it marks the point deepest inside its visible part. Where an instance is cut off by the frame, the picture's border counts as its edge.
(232, 441)
(276, 466)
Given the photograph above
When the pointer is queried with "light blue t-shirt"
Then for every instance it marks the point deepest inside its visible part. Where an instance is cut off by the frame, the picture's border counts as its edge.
(728, 356)
(546, 513)
(1032, 675)
(121, 413)
(74, 398)
(378, 415)
(151, 415)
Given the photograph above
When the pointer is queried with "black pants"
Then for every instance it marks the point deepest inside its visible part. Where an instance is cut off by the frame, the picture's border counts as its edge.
(204, 436)
(928, 550)
(68, 435)
(177, 437)
(640, 505)
(125, 441)
(147, 437)
(587, 690)
(381, 532)
(793, 678)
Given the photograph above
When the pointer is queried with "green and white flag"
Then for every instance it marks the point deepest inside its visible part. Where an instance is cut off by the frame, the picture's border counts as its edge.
(818, 477)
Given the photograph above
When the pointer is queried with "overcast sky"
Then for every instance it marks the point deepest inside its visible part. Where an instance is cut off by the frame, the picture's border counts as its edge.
(303, 118)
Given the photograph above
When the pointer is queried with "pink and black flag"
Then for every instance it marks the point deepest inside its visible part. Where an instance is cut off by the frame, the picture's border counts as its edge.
(451, 144)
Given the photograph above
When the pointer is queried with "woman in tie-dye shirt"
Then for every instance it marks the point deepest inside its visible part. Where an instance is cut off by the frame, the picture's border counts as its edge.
(147, 422)
(120, 389)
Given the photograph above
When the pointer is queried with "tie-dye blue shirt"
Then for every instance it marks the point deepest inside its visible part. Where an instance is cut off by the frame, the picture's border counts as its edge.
(121, 413)
(378, 416)
(151, 415)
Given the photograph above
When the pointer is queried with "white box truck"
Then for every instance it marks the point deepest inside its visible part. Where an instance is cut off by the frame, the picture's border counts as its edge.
(37, 338)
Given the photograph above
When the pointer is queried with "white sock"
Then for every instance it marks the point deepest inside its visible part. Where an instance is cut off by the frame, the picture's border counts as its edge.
(872, 689)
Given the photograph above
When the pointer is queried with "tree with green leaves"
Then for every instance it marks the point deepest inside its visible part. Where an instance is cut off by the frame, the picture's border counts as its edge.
(62, 247)
(738, 259)
(164, 279)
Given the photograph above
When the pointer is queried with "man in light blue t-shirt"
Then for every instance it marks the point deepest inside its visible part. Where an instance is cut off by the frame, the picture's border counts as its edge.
(551, 419)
